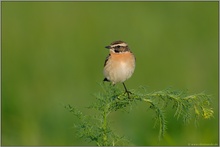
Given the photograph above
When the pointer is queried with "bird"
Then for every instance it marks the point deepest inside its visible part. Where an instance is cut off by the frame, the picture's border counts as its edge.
(119, 64)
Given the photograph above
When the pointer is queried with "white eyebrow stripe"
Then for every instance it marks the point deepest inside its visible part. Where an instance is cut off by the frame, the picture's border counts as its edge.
(120, 44)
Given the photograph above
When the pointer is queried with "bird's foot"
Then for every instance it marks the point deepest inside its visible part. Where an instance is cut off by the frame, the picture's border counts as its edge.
(128, 93)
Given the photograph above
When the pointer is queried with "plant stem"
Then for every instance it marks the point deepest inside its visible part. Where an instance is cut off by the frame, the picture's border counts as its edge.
(104, 126)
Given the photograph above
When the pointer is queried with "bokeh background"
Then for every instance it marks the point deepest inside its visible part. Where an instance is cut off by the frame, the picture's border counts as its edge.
(53, 55)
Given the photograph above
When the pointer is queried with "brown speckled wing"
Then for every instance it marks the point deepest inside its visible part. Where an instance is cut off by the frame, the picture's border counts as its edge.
(106, 60)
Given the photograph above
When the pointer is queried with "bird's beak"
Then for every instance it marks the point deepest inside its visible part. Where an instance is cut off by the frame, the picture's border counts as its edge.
(108, 47)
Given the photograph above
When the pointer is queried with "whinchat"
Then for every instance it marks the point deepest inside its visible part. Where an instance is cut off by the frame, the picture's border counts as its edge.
(120, 63)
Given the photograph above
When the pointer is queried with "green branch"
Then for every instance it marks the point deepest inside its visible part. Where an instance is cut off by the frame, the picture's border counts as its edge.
(97, 129)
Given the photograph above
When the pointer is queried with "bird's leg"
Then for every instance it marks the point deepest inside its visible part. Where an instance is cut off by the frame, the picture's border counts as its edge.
(128, 92)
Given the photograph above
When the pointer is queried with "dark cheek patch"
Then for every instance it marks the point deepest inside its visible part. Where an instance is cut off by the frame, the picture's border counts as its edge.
(117, 51)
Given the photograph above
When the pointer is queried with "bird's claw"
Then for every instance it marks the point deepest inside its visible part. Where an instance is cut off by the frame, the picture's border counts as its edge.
(128, 93)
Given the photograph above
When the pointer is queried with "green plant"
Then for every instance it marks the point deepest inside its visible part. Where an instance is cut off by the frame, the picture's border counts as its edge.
(97, 128)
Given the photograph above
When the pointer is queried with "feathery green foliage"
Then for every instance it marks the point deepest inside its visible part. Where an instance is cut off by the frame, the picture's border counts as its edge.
(97, 128)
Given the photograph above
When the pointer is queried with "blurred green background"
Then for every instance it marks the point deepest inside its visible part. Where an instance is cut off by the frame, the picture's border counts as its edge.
(53, 54)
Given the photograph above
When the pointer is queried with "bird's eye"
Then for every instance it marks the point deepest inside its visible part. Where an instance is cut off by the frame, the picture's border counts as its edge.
(118, 46)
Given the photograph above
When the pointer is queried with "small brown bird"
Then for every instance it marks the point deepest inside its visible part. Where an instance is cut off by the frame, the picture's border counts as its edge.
(120, 63)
